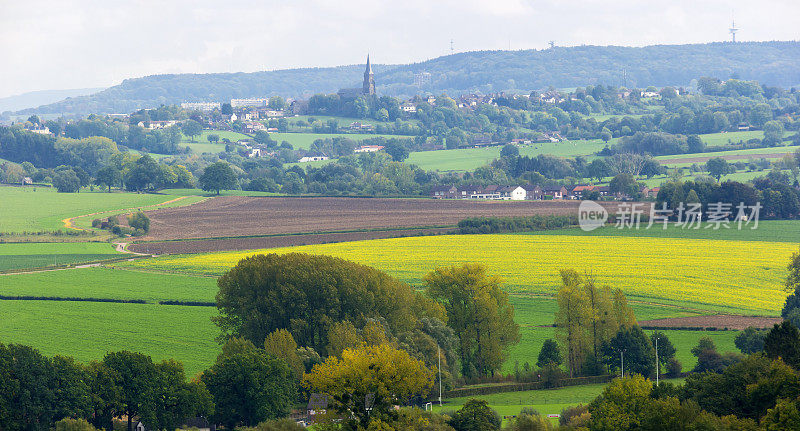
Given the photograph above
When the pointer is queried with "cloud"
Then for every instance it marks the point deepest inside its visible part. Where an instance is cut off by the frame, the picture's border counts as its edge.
(83, 43)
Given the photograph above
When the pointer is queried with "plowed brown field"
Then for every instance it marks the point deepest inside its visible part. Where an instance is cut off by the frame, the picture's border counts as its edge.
(251, 216)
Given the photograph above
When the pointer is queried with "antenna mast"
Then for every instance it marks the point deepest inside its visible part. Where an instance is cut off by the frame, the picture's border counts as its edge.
(733, 29)
(452, 51)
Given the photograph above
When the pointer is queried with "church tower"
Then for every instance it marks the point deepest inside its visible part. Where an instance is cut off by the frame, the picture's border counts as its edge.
(369, 80)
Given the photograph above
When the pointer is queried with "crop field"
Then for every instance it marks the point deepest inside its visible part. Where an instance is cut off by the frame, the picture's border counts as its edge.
(35, 255)
(88, 330)
(471, 158)
(106, 283)
(243, 216)
(685, 272)
(41, 208)
(767, 230)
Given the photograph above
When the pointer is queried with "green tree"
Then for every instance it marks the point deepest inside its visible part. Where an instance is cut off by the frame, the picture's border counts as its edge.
(387, 375)
(773, 133)
(637, 352)
(145, 174)
(750, 341)
(784, 416)
(218, 176)
(605, 134)
(280, 344)
(212, 138)
(549, 355)
(475, 415)
(480, 314)
(624, 184)
(191, 128)
(305, 294)
(226, 109)
(717, 167)
(139, 220)
(249, 386)
(108, 176)
(509, 151)
(783, 341)
(66, 181)
(666, 350)
(621, 405)
(135, 375)
(597, 169)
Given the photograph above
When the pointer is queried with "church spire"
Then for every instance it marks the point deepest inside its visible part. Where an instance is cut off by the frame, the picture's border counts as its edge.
(368, 86)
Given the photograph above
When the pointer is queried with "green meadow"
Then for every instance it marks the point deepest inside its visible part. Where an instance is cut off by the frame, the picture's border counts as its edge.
(35, 255)
(33, 209)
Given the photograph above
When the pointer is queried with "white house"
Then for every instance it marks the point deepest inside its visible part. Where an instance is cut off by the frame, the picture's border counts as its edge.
(368, 149)
(201, 106)
(514, 193)
(255, 152)
(312, 159)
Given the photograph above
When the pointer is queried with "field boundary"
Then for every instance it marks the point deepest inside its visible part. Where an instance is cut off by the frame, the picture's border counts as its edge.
(68, 222)
(528, 386)
(86, 264)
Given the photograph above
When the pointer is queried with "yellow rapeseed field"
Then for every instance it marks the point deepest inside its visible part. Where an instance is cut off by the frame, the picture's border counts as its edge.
(734, 276)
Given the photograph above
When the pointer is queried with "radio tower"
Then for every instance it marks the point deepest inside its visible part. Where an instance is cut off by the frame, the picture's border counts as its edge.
(452, 51)
(733, 29)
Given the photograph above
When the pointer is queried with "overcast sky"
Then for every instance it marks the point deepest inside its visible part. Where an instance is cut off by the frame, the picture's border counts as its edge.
(65, 44)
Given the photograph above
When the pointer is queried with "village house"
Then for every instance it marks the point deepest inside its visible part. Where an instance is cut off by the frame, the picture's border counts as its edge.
(368, 149)
(514, 193)
(444, 192)
(557, 192)
(312, 159)
(533, 193)
(577, 192)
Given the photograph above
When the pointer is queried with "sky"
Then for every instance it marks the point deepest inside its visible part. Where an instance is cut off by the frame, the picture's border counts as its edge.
(66, 44)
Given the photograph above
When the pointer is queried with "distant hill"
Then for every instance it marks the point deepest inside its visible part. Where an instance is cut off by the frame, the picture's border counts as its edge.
(772, 63)
(34, 99)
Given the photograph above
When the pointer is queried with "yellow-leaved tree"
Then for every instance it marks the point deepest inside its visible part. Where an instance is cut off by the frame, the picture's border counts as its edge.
(365, 382)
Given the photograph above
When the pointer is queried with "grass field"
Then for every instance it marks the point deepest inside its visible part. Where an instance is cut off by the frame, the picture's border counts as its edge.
(35, 255)
(88, 330)
(34, 209)
(470, 158)
(719, 139)
(108, 283)
(666, 270)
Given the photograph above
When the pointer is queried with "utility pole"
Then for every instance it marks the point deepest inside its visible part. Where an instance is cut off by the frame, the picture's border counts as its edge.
(622, 362)
(658, 368)
(439, 358)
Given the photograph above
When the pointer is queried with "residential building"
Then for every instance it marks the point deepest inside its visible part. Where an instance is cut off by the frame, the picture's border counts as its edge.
(201, 106)
(368, 149)
(312, 159)
(238, 103)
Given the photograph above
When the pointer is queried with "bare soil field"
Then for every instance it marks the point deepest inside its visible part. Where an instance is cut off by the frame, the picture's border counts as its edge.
(233, 216)
(718, 321)
(253, 243)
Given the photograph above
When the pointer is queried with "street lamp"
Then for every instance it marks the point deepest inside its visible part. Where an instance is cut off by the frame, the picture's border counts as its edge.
(658, 367)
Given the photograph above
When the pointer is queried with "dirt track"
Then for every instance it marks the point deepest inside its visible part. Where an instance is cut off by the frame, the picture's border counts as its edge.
(719, 321)
(247, 216)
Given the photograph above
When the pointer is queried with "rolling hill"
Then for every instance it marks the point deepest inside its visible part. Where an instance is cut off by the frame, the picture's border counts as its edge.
(771, 63)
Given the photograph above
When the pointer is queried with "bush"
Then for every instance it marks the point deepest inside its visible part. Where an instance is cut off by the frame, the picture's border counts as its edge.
(139, 221)
(514, 224)
(285, 424)
(674, 367)
(68, 424)
(96, 223)
(569, 413)
(530, 420)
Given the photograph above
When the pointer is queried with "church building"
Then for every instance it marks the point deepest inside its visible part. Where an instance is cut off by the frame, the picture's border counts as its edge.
(367, 87)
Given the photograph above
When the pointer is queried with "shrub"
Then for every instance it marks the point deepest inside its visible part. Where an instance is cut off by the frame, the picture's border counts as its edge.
(572, 412)
(139, 221)
(284, 424)
(96, 223)
(674, 367)
(68, 424)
